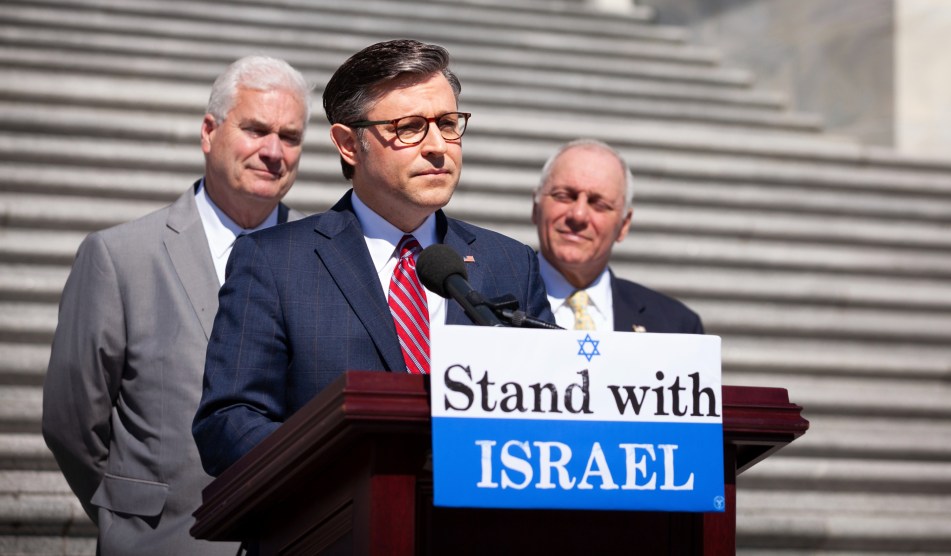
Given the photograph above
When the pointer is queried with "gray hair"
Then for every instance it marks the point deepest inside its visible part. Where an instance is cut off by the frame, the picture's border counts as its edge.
(258, 73)
(628, 174)
(358, 82)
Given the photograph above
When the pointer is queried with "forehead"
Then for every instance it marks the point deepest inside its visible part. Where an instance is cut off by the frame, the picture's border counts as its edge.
(413, 94)
(276, 105)
(588, 169)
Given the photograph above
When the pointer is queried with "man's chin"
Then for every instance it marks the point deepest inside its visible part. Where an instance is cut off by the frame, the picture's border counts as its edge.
(269, 189)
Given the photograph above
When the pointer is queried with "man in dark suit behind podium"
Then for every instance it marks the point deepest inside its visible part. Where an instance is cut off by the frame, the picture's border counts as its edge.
(581, 208)
(309, 300)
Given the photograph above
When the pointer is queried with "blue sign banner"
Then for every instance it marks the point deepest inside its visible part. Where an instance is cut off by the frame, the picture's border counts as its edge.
(606, 421)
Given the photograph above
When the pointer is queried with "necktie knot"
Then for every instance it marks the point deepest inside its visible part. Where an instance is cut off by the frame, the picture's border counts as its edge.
(579, 301)
(408, 247)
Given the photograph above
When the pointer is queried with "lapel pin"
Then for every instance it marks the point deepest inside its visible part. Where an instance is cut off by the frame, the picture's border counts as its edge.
(468, 259)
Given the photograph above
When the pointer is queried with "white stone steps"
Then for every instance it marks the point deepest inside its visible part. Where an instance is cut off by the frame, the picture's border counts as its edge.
(782, 357)
(40, 502)
(742, 356)
(652, 82)
(36, 321)
(334, 42)
(922, 251)
(526, 105)
(515, 184)
(31, 282)
(643, 105)
(752, 284)
(890, 439)
(660, 162)
(849, 475)
(48, 545)
(23, 363)
(817, 522)
(896, 397)
(27, 321)
(563, 16)
(729, 317)
(36, 211)
(209, 20)
(21, 408)
(44, 282)
(828, 199)
(651, 247)
(345, 34)
(25, 452)
(775, 224)
(891, 355)
(103, 91)
(691, 153)
(39, 246)
(157, 84)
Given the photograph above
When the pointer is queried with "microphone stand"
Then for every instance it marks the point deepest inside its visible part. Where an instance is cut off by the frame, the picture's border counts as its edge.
(506, 308)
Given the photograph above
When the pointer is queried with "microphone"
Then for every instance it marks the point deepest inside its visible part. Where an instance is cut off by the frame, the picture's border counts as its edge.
(442, 271)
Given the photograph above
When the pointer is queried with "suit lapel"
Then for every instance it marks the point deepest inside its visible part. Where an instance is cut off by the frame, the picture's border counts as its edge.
(343, 251)
(187, 248)
(626, 308)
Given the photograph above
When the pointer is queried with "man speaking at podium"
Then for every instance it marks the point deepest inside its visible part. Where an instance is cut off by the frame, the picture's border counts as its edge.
(338, 291)
(581, 208)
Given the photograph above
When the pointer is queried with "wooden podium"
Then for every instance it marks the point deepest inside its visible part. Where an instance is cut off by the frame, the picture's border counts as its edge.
(350, 473)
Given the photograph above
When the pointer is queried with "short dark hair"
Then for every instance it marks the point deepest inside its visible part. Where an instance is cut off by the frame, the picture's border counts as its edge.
(359, 80)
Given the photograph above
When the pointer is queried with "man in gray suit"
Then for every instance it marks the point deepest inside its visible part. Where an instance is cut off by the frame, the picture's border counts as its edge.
(125, 374)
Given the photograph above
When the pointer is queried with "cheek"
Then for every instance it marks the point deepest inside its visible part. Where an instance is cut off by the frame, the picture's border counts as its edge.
(292, 157)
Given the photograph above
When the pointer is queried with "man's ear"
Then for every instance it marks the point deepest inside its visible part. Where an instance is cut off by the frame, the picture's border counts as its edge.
(208, 128)
(345, 139)
(535, 207)
(625, 226)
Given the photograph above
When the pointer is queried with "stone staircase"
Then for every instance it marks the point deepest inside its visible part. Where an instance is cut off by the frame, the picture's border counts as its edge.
(823, 264)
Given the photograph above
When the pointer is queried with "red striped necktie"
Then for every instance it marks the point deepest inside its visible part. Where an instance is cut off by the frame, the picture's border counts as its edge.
(410, 311)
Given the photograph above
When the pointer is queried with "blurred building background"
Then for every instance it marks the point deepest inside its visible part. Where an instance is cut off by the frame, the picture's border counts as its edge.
(794, 169)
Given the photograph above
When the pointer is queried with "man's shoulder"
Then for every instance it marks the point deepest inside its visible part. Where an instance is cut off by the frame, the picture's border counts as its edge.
(154, 221)
(469, 231)
(634, 291)
(134, 232)
(293, 228)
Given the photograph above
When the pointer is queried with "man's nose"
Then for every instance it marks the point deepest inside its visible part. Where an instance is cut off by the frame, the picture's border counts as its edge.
(579, 210)
(271, 147)
(434, 142)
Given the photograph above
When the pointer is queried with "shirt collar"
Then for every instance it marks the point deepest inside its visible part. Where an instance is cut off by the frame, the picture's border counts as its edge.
(220, 229)
(558, 287)
(383, 237)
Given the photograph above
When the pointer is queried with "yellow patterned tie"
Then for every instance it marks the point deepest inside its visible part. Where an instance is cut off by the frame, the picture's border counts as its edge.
(578, 302)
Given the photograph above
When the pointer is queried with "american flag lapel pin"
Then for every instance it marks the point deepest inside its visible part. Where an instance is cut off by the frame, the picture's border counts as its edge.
(468, 259)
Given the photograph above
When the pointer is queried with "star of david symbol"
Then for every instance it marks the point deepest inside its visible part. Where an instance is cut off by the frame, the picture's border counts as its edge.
(588, 342)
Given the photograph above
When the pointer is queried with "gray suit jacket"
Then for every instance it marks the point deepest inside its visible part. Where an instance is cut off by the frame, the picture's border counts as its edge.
(125, 377)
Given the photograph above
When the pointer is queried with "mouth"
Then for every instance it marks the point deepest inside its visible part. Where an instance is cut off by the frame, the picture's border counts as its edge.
(267, 173)
(572, 236)
(434, 172)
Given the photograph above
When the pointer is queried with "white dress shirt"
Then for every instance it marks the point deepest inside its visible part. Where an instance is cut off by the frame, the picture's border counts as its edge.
(221, 231)
(601, 307)
(383, 239)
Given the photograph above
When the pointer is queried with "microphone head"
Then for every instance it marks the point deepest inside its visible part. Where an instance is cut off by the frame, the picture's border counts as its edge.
(435, 264)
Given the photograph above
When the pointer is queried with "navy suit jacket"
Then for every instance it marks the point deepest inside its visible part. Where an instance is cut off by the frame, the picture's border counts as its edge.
(302, 304)
(639, 308)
